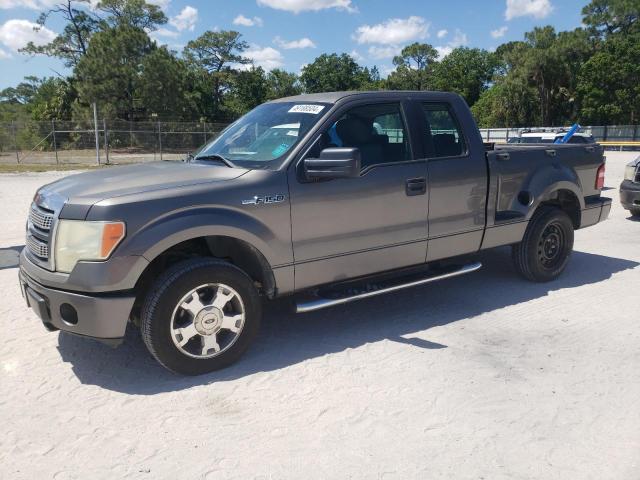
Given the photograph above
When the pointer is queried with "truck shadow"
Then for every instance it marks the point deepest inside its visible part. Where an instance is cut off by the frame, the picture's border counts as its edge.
(287, 339)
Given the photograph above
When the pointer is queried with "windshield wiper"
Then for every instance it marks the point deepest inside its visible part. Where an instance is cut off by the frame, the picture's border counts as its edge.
(218, 157)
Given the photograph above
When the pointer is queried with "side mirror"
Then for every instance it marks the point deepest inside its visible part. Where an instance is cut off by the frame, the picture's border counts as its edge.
(333, 163)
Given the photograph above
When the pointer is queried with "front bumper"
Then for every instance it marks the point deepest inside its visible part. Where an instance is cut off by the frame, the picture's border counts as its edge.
(630, 194)
(103, 317)
(597, 210)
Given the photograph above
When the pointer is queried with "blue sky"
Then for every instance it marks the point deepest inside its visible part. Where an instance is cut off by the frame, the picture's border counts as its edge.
(291, 33)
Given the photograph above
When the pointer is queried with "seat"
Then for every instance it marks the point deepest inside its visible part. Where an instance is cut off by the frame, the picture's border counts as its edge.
(446, 145)
(355, 132)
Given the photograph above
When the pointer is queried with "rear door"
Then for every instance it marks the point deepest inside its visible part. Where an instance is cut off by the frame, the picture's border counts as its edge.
(457, 182)
(344, 228)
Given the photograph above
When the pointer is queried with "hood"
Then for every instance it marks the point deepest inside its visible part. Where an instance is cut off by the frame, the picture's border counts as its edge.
(86, 189)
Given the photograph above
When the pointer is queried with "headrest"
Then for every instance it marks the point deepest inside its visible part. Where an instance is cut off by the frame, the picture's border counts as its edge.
(354, 131)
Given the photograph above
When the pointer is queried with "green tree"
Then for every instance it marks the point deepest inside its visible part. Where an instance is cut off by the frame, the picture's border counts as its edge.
(162, 72)
(508, 103)
(466, 71)
(414, 67)
(610, 17)
(23, 93)
(111, 71)
(132, 13)
(53, 100)
(333, 72)
(282, 84)
(608, 84)
(250, 89)
(217, 55)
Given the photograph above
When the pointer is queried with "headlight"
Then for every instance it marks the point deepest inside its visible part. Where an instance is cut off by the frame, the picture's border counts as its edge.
(630, 172)
(79, 240)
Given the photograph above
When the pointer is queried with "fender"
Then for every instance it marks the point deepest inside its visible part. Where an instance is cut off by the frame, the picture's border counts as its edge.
(545, 182)
(182, 225)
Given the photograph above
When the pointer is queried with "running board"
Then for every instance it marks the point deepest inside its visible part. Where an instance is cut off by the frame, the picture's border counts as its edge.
(318, 302)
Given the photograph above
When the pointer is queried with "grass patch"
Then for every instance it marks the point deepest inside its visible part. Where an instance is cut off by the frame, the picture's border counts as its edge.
(25, 167)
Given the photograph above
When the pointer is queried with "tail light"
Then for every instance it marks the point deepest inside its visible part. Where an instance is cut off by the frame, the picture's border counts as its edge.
(600, 177)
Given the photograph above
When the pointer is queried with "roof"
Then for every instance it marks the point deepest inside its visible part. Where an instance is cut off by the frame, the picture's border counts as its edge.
(334, 97)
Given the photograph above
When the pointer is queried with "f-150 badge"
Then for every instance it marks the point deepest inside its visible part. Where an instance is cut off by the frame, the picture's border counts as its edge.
(264, 199)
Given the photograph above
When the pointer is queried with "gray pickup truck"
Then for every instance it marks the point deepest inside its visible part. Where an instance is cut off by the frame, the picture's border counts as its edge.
(332, 197)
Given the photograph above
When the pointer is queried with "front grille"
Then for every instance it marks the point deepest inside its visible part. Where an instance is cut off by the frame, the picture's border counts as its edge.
(637, 179)
(39, 234)
(40, 217)
(37, 247)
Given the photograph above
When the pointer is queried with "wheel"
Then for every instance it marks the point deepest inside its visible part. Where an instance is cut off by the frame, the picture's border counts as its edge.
(635, 212)
(546, 246)
(200, 315)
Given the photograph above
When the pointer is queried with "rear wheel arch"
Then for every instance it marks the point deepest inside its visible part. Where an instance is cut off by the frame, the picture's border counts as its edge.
(567, 201)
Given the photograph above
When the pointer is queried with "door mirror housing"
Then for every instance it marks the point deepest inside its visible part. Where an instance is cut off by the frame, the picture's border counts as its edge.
(333, 163)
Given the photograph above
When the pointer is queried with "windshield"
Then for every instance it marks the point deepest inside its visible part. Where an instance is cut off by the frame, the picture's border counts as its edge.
(264, 134)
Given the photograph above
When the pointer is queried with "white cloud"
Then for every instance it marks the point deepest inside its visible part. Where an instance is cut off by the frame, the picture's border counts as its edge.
(499, 33)
(384, 52)
(394, 31)
(30, 4)
(267, 57)
(15, 34)
(247, 22)
(297, 6)
(164, 32)
(163, 4)
(459, 39)
(186, 19)
(4, 55)
(294, 44)
(356, 56)
(528, 8)
(442, 33)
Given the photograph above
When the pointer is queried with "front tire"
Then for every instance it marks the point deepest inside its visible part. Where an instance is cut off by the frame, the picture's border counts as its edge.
(546, 246)
(635, 212)
(200, 315)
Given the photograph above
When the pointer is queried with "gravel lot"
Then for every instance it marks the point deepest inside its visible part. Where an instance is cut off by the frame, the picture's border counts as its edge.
(480, 377)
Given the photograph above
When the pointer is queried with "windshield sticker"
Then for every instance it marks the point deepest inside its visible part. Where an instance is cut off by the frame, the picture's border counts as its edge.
(292, 133)
(313, 109)
(280, 149)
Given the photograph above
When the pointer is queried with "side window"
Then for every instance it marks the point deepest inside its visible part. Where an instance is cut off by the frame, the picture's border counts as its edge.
(377, 130)
(443, 136)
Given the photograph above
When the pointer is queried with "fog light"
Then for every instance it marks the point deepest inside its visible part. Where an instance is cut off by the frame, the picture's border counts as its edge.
(68, 314)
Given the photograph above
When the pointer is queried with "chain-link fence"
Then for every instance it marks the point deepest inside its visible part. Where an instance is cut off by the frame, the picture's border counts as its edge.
(117, 141)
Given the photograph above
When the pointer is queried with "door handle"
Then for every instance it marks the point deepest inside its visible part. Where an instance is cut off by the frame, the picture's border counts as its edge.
(416, 186)
(503, 156)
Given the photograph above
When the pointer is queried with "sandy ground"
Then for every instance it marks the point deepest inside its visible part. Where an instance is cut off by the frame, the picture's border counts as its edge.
(480, 377)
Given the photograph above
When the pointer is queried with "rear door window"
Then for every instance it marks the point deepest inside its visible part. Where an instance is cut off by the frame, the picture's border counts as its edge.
(443, 136)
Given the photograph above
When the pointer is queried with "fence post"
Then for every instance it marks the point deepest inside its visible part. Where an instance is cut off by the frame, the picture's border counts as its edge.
(204, 131)
(95, 126)
(160, 139)
(55, 144)
(488, 135)
(604, 134)
(15, 140)
(106, 141)
(635, 132)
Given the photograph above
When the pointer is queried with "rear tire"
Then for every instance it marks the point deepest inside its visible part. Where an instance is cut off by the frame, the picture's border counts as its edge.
(200, 315)
(546, 246)
(635, 212)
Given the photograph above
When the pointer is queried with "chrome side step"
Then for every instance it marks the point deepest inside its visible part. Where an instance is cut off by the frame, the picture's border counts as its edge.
(318, 303)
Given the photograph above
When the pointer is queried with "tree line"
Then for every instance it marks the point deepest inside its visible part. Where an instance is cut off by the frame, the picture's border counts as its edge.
(589, 75)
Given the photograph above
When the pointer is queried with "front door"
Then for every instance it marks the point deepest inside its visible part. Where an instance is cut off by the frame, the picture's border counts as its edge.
(344, 228)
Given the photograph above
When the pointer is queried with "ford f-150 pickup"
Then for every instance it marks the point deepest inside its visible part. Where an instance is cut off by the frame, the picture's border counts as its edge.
(332, 197)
